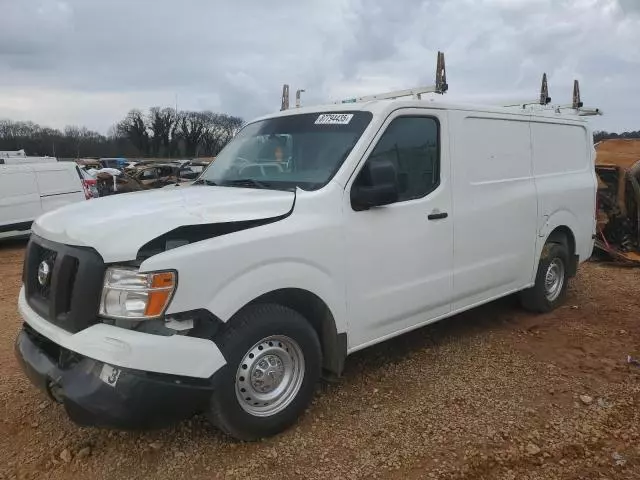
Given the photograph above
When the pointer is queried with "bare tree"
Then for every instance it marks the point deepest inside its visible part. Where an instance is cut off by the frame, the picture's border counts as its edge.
(210, 135)
(135, 129)
(220, 129)
(161, 122)
(76, 135)
(37, 140)
(174, 137)
(160, 132)
(192, 127)
(229, 126)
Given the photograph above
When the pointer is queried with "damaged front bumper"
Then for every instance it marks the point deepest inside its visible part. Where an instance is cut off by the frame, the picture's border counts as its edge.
(97, 394)
(113, 377)
(178, 355)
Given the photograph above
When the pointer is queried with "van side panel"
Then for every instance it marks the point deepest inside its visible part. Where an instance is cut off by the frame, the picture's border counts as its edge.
(566, 182)
(19, 197)
(59, 185)
(494, 207)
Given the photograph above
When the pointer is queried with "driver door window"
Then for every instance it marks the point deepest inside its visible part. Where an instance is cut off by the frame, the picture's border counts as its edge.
(412, 145)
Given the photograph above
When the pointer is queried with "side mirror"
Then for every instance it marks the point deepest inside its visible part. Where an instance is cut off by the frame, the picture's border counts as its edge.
(375, 186)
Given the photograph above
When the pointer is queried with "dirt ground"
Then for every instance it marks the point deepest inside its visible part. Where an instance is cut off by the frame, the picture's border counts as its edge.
(494, 393)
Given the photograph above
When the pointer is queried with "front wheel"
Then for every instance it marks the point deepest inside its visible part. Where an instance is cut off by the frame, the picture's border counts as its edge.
(273, 365)
(550, 288)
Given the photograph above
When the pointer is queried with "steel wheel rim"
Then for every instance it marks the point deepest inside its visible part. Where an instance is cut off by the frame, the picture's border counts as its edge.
(554, 279)
(270, 376)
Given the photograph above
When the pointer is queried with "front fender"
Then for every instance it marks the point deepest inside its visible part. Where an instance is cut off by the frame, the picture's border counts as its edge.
(268, 277)
(304, 251)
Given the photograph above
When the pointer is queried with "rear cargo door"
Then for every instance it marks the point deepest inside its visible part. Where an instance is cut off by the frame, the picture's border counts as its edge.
(19, 197)
(59, 185)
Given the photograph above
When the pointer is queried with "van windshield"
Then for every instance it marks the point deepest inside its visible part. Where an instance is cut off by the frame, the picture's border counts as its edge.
(303, 150)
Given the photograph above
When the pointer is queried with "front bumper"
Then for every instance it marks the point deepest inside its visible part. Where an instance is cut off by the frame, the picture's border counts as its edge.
(96, 394)
(178, 355)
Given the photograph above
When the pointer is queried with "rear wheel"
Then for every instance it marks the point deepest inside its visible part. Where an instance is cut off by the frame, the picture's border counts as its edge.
(273, 365)
(550, 288)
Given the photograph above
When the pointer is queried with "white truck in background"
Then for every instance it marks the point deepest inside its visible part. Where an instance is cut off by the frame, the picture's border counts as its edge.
(19, 157)
(317, 232)
(29, 190)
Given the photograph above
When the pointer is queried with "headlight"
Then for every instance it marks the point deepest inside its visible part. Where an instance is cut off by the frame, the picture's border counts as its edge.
(128, 294)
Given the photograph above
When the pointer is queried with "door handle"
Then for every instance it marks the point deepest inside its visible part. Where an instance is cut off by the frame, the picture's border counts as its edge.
(437, 216)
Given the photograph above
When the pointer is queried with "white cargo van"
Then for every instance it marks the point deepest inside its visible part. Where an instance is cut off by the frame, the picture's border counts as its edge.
(27, 191)
(317, 232)
(19, 157)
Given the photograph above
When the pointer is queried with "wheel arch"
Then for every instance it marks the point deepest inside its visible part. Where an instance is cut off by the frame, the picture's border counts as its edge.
(564, 235)
(319, 315)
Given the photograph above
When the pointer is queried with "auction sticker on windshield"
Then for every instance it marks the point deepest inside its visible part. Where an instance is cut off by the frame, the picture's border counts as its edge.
(334, 119)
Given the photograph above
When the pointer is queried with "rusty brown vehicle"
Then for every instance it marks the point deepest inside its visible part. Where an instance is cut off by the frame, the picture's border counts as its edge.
(88, 163)
(148, 176)
(107, 184)
(159, 175)
(618, 212)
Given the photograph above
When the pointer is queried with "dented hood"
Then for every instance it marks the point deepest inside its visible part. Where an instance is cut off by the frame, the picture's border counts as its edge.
(117, 226)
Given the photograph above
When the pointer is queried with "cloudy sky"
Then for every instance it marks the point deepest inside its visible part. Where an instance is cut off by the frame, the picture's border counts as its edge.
(89, 61)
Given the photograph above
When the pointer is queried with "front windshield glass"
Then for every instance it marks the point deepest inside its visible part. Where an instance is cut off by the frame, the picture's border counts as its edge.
(302, 150)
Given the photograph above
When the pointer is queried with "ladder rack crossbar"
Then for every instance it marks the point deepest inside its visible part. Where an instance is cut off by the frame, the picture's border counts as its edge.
(410, 92)
(559, 109)
(439, 87)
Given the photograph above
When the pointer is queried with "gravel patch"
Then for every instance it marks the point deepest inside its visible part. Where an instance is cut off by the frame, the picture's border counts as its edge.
(495, 393)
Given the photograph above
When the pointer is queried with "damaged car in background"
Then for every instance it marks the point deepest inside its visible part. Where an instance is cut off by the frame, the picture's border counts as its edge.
(146, 176)
(618, 215)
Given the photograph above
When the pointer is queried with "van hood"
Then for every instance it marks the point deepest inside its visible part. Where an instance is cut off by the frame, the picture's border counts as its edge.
(117, 226)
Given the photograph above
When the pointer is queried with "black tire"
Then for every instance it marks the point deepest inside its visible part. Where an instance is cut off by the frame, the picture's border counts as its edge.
(250, 326)
(535, 298)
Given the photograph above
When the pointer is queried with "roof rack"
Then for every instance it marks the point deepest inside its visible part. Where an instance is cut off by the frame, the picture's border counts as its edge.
(545, 101)
(578, 105)
(285, 97)
(440, 87)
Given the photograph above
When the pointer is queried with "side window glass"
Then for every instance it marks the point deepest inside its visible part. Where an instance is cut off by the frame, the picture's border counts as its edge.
(412, 144)
(149, 174)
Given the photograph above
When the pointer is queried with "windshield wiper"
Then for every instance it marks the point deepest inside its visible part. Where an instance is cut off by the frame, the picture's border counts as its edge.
(209, 183)
(246, 182)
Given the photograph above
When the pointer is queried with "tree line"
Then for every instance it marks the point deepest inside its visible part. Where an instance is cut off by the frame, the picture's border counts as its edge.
(602, 135)
(158, 133)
